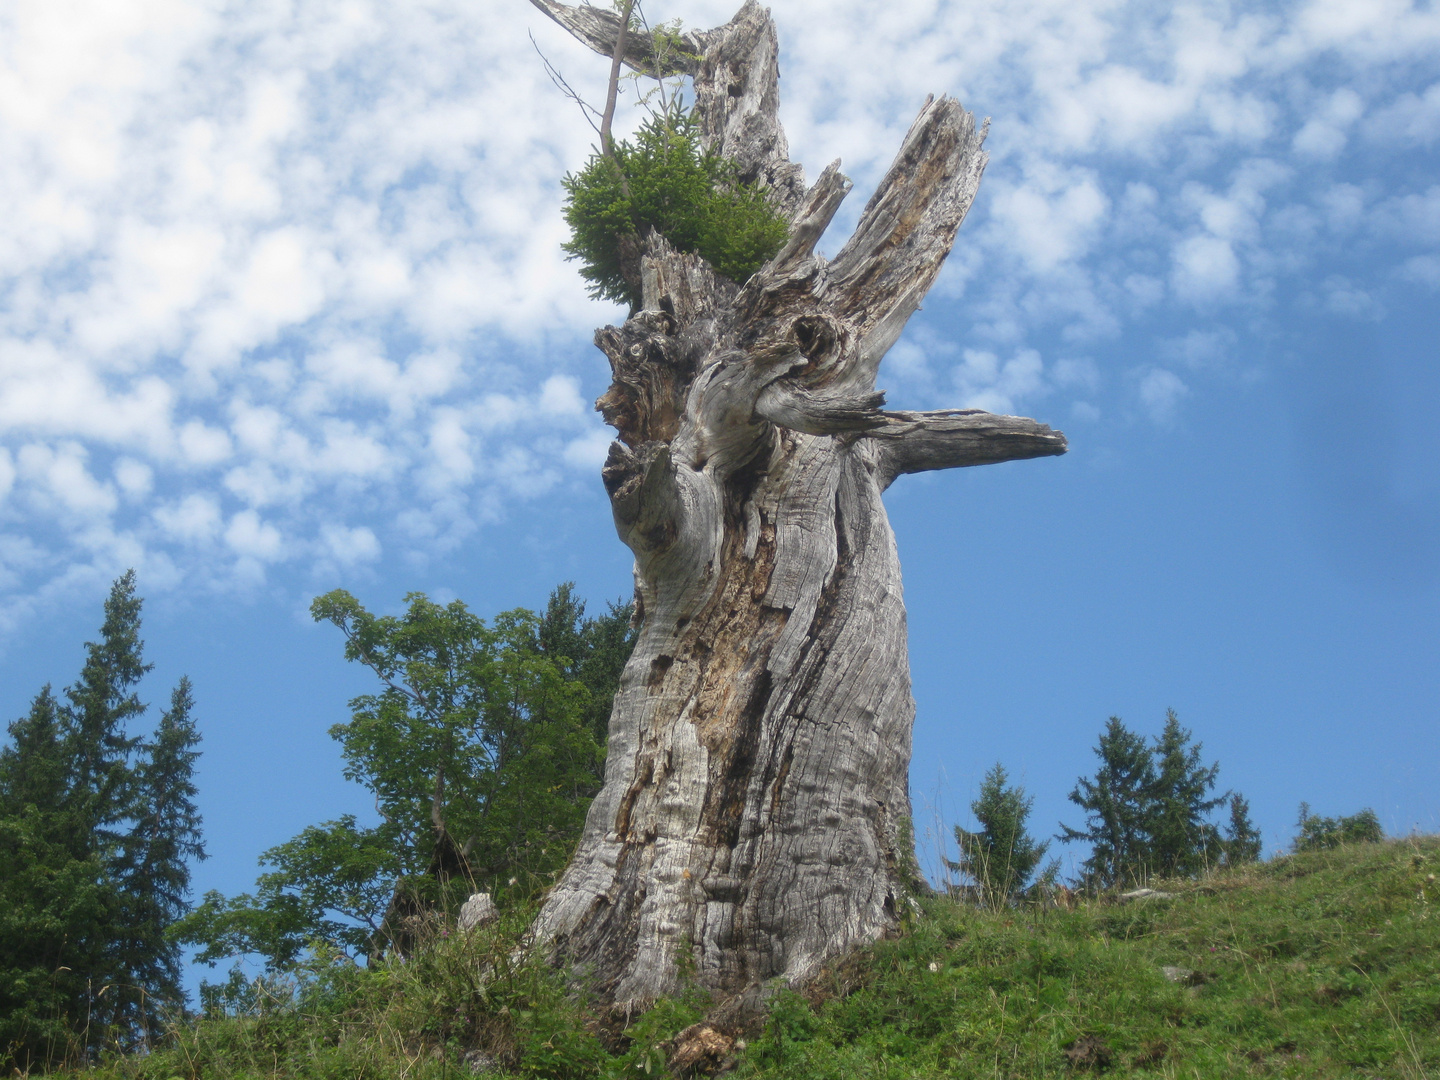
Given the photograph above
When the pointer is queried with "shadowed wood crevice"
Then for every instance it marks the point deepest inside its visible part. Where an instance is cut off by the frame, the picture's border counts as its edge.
(754, 820)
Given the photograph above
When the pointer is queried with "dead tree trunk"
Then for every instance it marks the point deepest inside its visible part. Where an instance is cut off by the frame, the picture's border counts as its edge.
(755, 813)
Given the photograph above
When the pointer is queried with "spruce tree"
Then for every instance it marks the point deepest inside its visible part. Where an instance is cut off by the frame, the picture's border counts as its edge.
(51, 901)
(1002, 856)
(100, 704)
(1181, 841)
(102, 793)
(152, 871)
(592, 651)
(1118, 808)
(1242, 838)
(33, 769)
(95, 828)
(1149, 810)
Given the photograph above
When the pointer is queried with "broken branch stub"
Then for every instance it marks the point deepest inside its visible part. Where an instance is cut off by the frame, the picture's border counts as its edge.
(754, 820)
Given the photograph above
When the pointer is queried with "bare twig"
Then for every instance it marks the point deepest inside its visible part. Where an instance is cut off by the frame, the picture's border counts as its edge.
(612, 88)
(659, 81)
(586, 109)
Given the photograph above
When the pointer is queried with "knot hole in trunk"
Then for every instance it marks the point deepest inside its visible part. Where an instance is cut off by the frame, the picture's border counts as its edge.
(815, 337)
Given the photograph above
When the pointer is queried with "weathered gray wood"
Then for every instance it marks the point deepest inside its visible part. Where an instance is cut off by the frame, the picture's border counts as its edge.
(755, 814)
(909, 442)
(599, 29)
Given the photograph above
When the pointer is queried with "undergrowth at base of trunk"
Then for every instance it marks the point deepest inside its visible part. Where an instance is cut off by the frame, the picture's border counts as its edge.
(1319, 964)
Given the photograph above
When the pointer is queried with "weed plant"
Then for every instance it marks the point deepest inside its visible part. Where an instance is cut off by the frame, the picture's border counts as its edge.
(1317, 964)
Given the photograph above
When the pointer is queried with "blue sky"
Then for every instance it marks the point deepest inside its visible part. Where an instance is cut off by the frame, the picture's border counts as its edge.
(282, 308)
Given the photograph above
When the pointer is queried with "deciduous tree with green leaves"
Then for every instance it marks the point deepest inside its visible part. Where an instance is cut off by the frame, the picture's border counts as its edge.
(481, 754)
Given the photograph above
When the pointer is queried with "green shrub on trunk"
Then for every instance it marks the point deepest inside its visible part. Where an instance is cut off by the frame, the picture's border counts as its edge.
(665, 181)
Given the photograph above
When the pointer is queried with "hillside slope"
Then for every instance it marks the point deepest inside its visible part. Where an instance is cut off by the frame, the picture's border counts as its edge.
(1318, 965)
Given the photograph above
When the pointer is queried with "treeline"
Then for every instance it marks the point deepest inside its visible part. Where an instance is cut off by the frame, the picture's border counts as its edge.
(97, 829)
(1149, 814)
(482, 747)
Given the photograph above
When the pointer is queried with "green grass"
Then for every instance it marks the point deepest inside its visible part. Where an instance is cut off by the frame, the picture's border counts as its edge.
(1325, 964)
(1316, 965)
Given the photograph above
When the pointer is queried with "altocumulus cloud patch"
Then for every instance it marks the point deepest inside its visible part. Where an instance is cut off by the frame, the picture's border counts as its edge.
(280, 286)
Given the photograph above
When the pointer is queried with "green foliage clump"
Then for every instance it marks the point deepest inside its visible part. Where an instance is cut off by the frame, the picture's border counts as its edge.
(1318, 833)
(97, 827)
(1002, 856)
(591, 651)
(482, 751)
(664, 180)
(460, 1004)
(1147, 810)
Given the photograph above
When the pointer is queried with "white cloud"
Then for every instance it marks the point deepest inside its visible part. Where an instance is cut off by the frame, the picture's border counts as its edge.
(1324, 135)
(1412, 118)
(589, 450)
(251, 537)
(134, 477)
(451, 449)
(1344, 206)
(265, 268)
(1076, 374)
(1204, 267)
(201, 445)
(1413, 218)
(350, 546)
(7, 473)
(560, 396)
(349, 451)
(1160, 392)
(1201, 350)
(60, 477)
(1423, 269)
(282, 282)
(1049, 219)
(193, 519)
(1345, 297)
(984, 381)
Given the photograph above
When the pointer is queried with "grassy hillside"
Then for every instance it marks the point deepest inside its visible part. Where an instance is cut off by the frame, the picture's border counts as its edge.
(1318, 965)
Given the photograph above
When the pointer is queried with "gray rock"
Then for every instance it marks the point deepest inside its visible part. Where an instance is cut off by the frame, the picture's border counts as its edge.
(1146, 894)
(1186, 977)
(477, 1061)
(478, 911)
